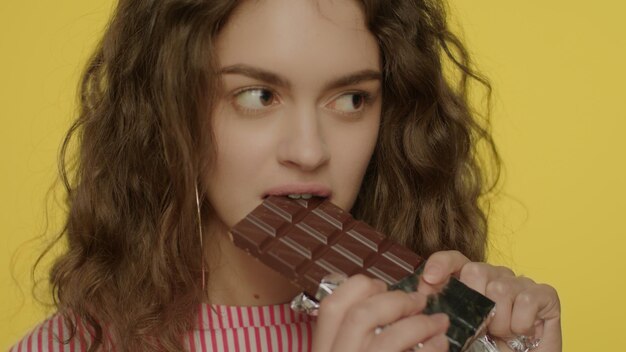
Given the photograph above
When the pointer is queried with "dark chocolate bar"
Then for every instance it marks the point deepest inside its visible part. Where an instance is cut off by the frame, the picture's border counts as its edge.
(308, 239)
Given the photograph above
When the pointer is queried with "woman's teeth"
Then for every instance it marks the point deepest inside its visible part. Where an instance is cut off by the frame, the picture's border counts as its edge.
(300, 195)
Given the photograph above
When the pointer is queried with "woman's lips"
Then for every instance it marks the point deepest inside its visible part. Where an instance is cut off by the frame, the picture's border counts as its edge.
(313, 189)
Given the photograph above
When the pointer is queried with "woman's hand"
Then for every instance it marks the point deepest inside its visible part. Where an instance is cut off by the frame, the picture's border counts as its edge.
(348, 320)
(523, 307)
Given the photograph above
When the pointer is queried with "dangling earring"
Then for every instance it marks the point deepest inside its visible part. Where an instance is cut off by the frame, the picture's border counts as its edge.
(200, 234)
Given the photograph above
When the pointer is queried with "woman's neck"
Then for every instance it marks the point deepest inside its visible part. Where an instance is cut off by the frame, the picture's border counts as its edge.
(238, 279)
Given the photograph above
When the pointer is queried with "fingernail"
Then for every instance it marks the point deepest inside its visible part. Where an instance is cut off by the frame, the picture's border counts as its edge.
(381, 284)
(416, 296)
(440, 318)
(432, 273)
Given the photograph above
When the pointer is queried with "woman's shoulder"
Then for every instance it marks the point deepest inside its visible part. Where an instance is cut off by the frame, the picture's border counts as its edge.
(52, 335)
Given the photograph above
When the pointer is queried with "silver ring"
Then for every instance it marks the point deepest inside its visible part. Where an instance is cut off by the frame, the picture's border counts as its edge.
(417, 347)
(523, 343)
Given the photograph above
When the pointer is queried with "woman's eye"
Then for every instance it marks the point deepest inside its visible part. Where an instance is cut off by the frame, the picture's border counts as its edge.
(254, 99)
(349, 103)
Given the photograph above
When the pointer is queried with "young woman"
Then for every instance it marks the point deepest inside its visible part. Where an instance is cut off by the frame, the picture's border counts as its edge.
(193, 111)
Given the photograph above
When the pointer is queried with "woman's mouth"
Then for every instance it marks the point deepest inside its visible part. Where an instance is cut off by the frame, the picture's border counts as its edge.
(299, 191)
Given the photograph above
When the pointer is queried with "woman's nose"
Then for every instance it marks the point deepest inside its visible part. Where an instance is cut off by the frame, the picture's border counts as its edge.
(302, 143)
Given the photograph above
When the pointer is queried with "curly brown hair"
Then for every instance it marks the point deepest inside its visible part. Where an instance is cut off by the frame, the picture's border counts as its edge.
(131, 260)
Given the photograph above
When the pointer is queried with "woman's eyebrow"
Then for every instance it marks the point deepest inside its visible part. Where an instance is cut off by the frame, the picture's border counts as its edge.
(277, 80)
(256, 73)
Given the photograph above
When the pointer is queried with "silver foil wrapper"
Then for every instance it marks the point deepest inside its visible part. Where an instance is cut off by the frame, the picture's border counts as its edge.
(469, 311)
(310, 305)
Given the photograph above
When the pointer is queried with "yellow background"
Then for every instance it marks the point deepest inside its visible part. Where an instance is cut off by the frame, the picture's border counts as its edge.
(559, 119)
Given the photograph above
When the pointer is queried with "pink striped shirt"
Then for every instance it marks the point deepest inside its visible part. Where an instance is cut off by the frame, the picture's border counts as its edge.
(218, 328)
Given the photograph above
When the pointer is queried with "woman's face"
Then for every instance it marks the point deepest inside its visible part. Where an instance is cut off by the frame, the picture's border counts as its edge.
(299, 107)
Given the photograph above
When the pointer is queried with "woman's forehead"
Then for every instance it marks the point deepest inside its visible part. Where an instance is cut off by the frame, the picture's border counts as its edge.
(301, 39)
